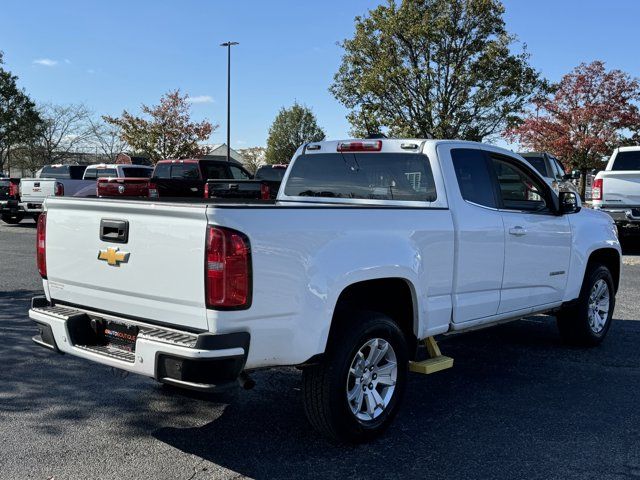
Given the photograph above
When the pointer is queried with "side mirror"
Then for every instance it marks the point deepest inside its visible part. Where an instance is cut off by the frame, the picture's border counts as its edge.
(569, 203)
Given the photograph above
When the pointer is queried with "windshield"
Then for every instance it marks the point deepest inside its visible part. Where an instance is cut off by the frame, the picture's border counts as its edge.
(627, 161)
(270, 173)
(539, 164)
(132, 172)
(375, 176)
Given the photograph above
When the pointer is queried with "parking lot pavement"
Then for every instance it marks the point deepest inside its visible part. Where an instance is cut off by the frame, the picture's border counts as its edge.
(517, 404)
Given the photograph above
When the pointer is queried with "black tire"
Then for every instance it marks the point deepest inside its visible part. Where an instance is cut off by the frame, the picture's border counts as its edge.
(12, 219)
(325, 385)
(573, 322)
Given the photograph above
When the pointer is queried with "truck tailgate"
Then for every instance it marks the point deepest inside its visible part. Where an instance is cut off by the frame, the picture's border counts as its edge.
(621, 188)
(157, 275)
(36, 190)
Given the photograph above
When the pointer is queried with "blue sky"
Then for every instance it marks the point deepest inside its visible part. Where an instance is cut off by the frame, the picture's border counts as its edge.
(118, 54)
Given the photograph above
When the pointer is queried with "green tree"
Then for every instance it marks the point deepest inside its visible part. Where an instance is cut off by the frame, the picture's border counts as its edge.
(167, 132)
(434, 69)
(19, 119)
(291, 128)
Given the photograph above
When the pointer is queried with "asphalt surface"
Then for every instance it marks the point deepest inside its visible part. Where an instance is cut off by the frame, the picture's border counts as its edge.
(517, 404)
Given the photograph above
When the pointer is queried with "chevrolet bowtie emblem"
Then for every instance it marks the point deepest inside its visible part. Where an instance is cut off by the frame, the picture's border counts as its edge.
(113, 256)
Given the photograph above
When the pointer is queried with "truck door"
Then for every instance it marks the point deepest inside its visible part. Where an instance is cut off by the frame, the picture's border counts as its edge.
(537, 240)
(479, 234)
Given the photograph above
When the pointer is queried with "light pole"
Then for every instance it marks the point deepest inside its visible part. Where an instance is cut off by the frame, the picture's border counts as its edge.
(228, 45)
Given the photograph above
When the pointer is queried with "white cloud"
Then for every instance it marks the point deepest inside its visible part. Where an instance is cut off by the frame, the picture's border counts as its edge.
(45, 62)
(200, 99)
(67, 61)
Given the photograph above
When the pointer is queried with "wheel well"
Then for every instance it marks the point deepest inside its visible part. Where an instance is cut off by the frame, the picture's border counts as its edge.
(610, 258)
(390, 296)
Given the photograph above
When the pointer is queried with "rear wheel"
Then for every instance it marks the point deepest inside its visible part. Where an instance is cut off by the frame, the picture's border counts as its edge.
(12, 219)
(587, 322)
(355, 393)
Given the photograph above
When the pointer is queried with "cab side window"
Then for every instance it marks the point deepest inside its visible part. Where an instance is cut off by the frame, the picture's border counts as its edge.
(474, 178)
(518, 189)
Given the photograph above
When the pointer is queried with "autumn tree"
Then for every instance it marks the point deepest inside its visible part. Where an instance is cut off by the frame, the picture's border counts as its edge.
(166, 131)
(19, 118)
(291, 128)
(592, 111)
(434, 69)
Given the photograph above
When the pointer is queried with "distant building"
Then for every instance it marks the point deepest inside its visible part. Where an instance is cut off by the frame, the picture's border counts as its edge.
(218, 151)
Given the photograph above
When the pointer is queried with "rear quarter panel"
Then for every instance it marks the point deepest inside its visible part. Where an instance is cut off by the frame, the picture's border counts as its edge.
(304, 257)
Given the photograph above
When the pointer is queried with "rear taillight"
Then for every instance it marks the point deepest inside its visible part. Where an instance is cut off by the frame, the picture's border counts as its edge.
(14, 190)
(153, 191)
(59, 190)
(373, 146)
(41, 245)
(227, 269)
(206, 190)
(596, 189)
(265, 192)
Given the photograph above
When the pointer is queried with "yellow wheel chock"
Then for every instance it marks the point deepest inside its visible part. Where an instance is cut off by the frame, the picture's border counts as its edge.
(434, 363)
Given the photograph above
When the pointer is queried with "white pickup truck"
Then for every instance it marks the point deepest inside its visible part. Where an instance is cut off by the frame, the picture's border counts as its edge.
(69, 180)
(371, 247)
(616, 189)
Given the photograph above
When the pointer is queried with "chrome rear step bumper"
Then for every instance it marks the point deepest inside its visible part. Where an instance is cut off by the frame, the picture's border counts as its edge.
(198, 361)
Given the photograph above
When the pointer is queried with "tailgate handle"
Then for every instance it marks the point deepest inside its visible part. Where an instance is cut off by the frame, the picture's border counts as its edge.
(116, 231)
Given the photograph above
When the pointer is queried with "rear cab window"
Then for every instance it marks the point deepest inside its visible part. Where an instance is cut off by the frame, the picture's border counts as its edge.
(188, 170)
(137, 172)
(93, 173)
(627, 161)
(367, 176)
(63, 172)
(275, 174)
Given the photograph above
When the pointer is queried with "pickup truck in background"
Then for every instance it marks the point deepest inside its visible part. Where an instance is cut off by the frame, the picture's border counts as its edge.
(553, 171)
(70, 180)
(372, 247)
(187, 178)
(616, 189)
(10, 211)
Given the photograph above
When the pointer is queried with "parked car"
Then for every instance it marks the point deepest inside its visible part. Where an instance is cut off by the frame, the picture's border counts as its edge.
(553, 171)
(372, 247)
(616, 189)
(187, 178)
(70, 180)
(10, 211)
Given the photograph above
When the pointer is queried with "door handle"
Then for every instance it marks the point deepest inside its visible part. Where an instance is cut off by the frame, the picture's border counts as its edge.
(518, 231)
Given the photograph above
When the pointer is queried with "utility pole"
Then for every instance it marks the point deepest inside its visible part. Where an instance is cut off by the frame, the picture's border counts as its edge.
(228, 45)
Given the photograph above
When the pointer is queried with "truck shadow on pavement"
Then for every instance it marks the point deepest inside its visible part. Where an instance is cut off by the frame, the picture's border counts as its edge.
(517, 404)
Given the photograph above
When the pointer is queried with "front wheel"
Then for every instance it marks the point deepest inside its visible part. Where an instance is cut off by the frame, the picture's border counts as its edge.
(355, 393)
(12, 219)
(587, 322)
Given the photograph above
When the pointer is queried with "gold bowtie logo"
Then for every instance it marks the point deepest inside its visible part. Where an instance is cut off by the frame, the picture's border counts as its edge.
(113, 256)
